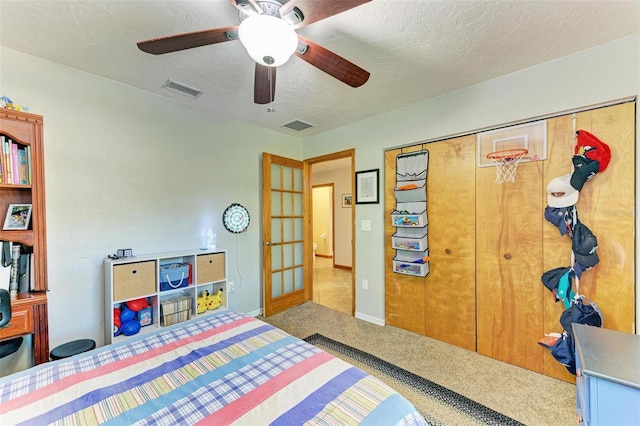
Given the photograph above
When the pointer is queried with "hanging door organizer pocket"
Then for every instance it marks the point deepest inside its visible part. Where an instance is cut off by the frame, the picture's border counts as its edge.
(413, 239)
(412, 263)
(408, 220)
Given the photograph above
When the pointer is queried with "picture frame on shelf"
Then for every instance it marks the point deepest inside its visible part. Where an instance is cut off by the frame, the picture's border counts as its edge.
(18, 217)
(368, 186)
(347, 200)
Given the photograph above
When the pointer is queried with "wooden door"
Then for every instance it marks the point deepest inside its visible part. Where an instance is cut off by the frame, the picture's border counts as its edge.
(509, 263)
(442, 304)
(287, 243)
(606, 206)
(451, 285)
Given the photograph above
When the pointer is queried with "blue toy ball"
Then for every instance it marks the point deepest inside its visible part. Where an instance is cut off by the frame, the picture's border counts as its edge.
(129, 328)
(126, 314)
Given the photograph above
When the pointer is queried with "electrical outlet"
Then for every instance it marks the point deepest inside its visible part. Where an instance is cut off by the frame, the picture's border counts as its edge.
(365, 284)
(232, 286)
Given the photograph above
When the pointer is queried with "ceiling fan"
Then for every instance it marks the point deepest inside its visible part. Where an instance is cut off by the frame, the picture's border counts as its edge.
(267, 31)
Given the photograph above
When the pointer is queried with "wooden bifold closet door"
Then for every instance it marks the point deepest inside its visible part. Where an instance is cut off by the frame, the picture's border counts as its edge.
(442, 304)
(490, 243)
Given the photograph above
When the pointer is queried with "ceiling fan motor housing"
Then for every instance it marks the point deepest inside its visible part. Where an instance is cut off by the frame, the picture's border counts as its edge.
(269, 7)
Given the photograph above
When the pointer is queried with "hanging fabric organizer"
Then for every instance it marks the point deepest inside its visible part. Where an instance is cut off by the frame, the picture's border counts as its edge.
(410, 216)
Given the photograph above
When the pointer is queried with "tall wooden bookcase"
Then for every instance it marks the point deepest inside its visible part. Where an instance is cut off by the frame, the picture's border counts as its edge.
(29, 309)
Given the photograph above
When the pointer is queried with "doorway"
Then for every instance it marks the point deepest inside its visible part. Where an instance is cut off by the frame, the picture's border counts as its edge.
(332, 219)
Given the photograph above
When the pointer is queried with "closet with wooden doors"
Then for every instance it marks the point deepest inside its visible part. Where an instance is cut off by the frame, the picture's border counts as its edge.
(489, 244)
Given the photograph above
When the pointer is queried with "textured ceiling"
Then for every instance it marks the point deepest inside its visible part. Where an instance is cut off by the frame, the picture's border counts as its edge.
(414, 49)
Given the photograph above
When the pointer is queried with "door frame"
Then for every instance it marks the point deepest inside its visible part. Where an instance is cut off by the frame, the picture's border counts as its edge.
(348, 153)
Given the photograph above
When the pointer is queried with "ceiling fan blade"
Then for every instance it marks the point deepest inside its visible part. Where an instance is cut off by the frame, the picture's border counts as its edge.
(333, 64)
(184, 41)
(264, 90)
(316, 10)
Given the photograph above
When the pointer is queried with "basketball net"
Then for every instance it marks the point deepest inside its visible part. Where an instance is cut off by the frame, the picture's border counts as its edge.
(506, 163)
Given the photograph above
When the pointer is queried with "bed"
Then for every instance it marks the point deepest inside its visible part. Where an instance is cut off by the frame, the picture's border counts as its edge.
(225, 368)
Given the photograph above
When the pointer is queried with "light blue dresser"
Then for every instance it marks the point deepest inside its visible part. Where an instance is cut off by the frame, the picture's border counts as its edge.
(608, 376)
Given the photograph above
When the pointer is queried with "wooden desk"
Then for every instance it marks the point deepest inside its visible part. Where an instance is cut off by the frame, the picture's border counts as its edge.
(29, 316)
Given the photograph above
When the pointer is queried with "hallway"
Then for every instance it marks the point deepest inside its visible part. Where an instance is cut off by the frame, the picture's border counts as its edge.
(332, 286)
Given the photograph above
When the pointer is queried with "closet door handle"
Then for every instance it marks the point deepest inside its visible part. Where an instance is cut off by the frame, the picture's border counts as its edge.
(448, 251)
(507, 256)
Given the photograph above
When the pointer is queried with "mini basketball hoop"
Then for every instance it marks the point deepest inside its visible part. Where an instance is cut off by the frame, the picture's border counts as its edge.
(506, 163)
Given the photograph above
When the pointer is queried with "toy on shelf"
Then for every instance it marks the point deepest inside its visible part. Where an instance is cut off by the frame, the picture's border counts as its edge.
(116, 321)
(129, 323)
(6, 102)
(214, 301)
(202, 302)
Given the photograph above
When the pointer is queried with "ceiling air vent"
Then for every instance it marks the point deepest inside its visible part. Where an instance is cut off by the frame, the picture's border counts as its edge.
(297, 125)
(182, 88)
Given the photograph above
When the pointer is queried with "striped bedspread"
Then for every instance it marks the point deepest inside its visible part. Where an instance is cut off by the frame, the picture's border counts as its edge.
(227, 368)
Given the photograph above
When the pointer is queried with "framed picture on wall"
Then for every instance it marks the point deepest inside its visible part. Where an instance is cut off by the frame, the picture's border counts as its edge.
(347, 200)
(18, 217)
(367, 186)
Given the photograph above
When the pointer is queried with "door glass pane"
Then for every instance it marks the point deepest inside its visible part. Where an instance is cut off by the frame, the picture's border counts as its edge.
(275, 176)
(299, 278)
(287, 207)
(287, 255)
(288, 229)
(276, 258)
(297, 204)
(298, 254)
(297, 179)
(276, 284)
(297, 232)
(288, 281)
(276, 205)
(287, 178)
(276, 231)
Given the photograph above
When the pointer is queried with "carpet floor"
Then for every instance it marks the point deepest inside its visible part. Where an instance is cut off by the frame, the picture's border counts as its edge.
(437, 404)
(528, 397)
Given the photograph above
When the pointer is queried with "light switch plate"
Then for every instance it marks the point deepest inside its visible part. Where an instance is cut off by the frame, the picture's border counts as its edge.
(365, 225)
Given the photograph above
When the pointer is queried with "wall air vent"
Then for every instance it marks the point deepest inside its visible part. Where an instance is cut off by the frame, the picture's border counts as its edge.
(297, 125)
(182, 88)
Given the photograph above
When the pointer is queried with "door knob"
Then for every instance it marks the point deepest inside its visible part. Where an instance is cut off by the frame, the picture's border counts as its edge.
(267, 243)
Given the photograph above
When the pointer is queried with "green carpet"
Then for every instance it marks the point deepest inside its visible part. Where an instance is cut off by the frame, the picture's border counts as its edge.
(437, 404)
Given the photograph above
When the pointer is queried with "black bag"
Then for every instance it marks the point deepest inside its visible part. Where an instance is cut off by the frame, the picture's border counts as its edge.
(580, 313)
(564, 352)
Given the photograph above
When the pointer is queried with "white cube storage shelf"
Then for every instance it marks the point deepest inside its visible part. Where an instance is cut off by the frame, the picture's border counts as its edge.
(139, 277)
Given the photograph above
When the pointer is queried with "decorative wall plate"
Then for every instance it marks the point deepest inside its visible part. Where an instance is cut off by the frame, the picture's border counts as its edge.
(236, 218)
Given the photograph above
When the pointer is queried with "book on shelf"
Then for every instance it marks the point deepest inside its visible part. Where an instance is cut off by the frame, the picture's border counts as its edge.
(15, 162)
(22, 166)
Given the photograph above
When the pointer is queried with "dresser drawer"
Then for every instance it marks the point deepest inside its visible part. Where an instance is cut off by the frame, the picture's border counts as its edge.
(21, 323)
(210, 267)
(134, 280)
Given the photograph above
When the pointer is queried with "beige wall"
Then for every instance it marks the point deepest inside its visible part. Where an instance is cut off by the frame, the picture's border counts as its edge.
(322, 218)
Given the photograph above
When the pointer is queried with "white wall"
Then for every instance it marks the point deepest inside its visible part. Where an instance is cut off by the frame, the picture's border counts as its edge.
(127, 169)
(601, 74)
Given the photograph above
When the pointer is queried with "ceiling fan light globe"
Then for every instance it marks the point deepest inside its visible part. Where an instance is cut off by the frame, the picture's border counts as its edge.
(269, 40)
